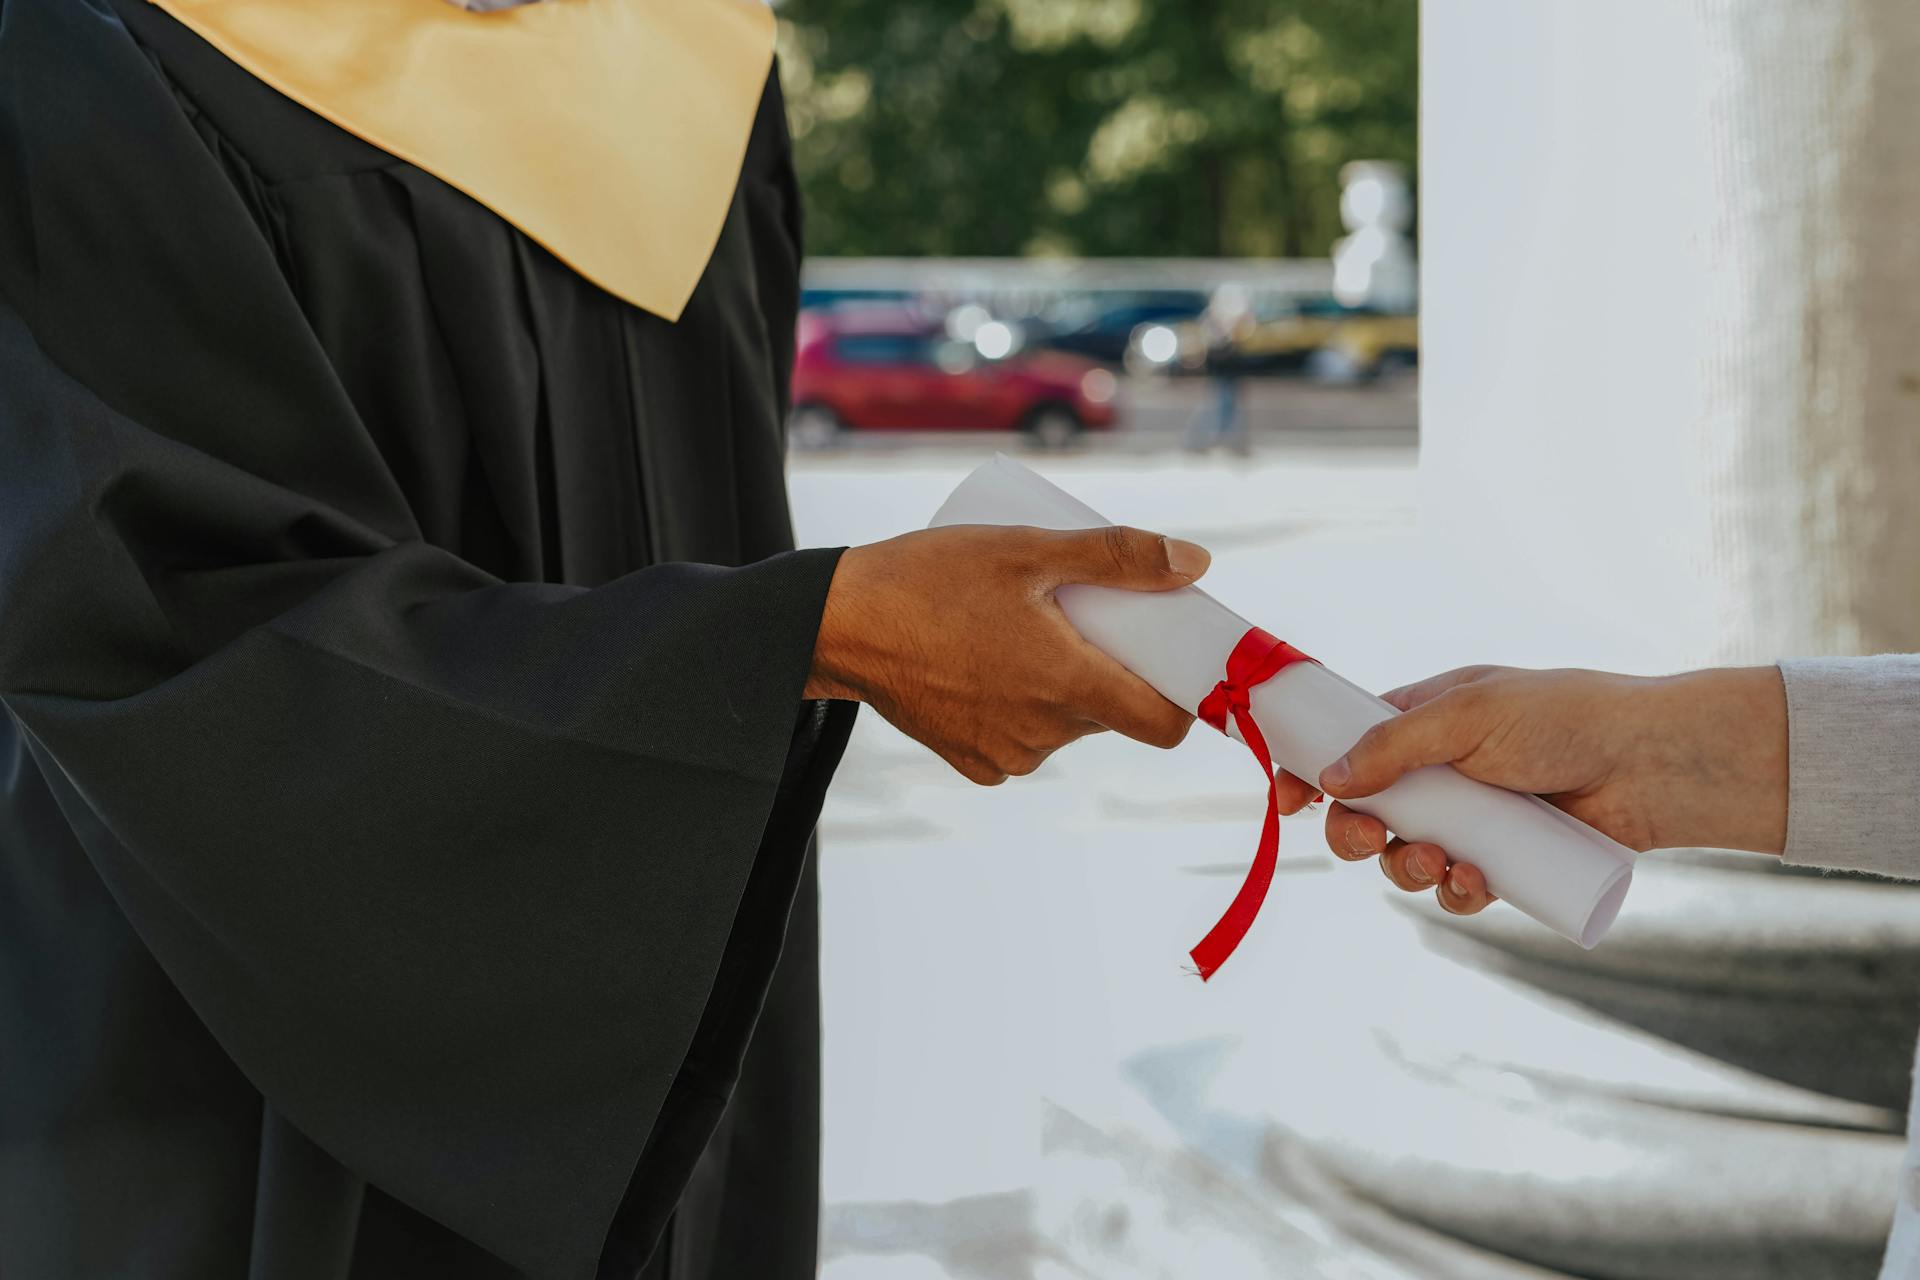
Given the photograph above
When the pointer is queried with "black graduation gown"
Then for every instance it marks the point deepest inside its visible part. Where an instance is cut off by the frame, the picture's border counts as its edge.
(401, 802)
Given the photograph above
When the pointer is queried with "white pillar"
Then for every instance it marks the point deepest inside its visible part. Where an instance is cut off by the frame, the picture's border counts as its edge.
(1671, 330)
(1671, 407)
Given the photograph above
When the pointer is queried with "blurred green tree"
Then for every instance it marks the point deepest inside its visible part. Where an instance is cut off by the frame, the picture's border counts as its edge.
(1096, 127)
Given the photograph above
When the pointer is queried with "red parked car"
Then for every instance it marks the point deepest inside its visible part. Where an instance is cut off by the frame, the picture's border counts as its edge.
(895, 370)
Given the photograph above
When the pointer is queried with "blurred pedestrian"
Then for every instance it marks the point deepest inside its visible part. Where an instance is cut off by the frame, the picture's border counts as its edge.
(1223, 325)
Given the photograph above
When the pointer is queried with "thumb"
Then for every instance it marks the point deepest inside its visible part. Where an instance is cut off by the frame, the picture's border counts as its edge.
(1437, 732)
(1117, 556)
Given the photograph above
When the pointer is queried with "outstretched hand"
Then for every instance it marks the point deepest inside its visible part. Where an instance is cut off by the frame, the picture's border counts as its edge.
(954, 636)
(1654, 763)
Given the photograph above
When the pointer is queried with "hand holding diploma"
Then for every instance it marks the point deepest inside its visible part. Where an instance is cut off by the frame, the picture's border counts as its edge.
(1292, 711)
(1697, 759)
(955, 637)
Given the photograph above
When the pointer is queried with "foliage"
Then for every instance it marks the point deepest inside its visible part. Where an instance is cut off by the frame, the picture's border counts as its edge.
(1098, 127)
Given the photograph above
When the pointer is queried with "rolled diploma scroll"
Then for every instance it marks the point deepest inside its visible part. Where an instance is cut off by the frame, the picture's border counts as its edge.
(1554, 867)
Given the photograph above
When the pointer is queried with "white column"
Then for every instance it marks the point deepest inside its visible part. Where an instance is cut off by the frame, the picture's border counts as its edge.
(1671, 409)
(1671, 332)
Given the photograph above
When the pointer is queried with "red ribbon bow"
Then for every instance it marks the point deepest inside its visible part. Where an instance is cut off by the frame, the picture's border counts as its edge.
(1256, 659)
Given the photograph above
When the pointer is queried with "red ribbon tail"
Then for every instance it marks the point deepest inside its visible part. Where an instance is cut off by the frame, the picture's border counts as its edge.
(1220, 942)
(1257, 658)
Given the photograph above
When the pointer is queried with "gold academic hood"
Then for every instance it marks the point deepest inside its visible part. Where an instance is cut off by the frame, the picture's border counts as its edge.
(610, 131)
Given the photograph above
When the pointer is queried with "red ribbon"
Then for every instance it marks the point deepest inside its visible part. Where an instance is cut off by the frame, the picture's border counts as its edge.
(1256, 659)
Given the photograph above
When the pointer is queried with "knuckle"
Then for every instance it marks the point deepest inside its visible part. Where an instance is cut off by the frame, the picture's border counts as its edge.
(1372, 743)
(1063, 728)
(1016, 755)
(1463, 699)
(1123, 546)
(978, 771)
(1038, 739)
(1024, 763)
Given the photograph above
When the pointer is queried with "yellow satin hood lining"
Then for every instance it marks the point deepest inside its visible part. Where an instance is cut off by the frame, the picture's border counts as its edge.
(610, 131)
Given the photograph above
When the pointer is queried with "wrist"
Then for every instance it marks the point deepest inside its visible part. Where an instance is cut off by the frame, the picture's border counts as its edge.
(834, 673)
(1716, 773)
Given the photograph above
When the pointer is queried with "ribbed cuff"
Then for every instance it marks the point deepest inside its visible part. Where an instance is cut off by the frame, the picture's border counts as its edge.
(1853, 746)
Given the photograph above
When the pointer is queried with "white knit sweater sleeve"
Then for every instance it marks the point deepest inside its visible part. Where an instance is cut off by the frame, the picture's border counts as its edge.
(1853, 748)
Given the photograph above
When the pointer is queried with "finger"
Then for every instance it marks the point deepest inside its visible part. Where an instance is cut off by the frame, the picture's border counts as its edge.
(1019, 764)
(1107, 693)
(1354, 836)
(1409, 696)
(1414, 867)
(1294, 794)
(1117, 556)
(1436, 732)
(1057, 733)
(1465, 890)
(976, 770)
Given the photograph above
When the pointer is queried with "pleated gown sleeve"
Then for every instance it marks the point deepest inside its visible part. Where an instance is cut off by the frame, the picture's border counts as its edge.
(447, 864)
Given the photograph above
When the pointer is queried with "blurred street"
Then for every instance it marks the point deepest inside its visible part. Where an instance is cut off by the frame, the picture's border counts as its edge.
(1155, 411)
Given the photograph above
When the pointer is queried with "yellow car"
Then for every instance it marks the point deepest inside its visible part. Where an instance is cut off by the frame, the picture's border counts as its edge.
(1366, 344)
(1286, 333)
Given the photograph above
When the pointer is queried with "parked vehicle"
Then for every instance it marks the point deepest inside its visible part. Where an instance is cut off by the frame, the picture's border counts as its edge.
(1289, 334)
(822, 299)
(890, 369)
(1367, 344)
(1100, 325)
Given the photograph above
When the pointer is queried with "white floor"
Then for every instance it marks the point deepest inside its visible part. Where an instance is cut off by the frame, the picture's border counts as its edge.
(1022, 1081)
(1002, 965)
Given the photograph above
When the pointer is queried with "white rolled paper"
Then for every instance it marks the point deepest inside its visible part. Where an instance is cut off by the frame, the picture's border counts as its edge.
(1553, 867)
